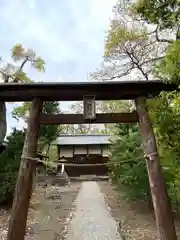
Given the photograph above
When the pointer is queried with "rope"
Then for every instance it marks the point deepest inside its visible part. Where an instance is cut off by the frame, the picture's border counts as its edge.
(150, 155)
(62, 169)
(110, 162)
(32, 159)
(63, 172)
(96, 164)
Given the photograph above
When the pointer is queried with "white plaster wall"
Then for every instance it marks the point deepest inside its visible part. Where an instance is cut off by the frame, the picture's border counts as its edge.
(66, 151)
(80, 149)
(94, 149)
(105, 149)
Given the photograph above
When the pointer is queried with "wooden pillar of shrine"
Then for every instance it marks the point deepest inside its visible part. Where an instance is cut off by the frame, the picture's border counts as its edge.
(161, 203)
(23, 191)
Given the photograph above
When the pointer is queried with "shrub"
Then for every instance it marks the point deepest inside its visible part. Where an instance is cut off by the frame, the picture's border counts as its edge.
(9, 165)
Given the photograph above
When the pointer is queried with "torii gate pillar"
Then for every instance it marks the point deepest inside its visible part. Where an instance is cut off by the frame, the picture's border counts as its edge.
(161, 203)
(23, 191)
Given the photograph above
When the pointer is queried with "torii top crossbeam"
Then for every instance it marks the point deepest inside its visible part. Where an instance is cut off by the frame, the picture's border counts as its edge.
(110, 90)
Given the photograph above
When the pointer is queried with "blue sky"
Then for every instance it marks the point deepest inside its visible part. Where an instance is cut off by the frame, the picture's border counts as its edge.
(67, 34)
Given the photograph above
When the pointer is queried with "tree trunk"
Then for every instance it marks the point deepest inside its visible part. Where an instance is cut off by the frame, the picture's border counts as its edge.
(161, 203)
(3, 125)
(150, 202)
(48, 149)
(22, 196)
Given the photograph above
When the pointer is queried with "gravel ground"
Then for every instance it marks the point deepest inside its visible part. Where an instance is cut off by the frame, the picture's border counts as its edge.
(50, 211)
(134, 219)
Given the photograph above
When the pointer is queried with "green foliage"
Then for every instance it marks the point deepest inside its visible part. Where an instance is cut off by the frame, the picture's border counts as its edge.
(173, 183)
(169, 68)
(19, 53)
(166, 13)
(165, 115)
(9, 165)
(115, 106)
(10, 158)
(14, 72)
(153, 50)
(120, 35)
(53, 153)
(132, 176)
(48, 133)
(21, 111)
(38, 63)
(128, 168)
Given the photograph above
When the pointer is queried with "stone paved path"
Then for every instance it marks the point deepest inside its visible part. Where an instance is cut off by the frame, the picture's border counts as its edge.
(92, 219)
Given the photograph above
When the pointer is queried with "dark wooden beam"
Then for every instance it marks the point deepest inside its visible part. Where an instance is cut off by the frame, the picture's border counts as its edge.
(101, 118)
(110, 90)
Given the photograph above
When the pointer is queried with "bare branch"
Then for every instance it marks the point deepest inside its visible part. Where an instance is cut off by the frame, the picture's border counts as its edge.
(136, 63)
(6, 76)
(23, 63)
(123, 74)
(161, 40)
(153, 60)
(133, 53)
(21, 67)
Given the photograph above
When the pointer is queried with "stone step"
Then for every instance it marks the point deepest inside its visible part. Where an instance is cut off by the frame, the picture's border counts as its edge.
(53, 180)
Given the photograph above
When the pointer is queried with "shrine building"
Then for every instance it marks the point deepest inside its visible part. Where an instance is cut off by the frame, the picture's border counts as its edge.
(85, 154)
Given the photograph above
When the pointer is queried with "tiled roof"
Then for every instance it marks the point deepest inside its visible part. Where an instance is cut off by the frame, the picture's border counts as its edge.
(82, 139)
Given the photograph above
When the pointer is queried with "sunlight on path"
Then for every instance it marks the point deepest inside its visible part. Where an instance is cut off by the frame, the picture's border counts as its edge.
(92, 219)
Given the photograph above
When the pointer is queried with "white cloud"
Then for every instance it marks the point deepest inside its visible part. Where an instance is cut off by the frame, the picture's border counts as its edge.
(90, 20)
(66, 31)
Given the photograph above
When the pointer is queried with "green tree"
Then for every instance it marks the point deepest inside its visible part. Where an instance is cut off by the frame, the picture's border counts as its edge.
(165, 15)
(128, 169)
(14, 72)
(48, 133)
(9, 165)
(169, 68)
(165, 114)
(114, 107)
(143, 43)
(136, 43)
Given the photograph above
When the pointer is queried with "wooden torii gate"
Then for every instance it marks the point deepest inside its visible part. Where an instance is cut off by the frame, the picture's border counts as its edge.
(37, 93)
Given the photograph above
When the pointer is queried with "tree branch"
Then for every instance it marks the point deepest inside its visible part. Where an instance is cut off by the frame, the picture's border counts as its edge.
(122, 74)
(5, 76)
(21, 67)
(23, 63)
(133, 57)
(161, 40)
(152, 60)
